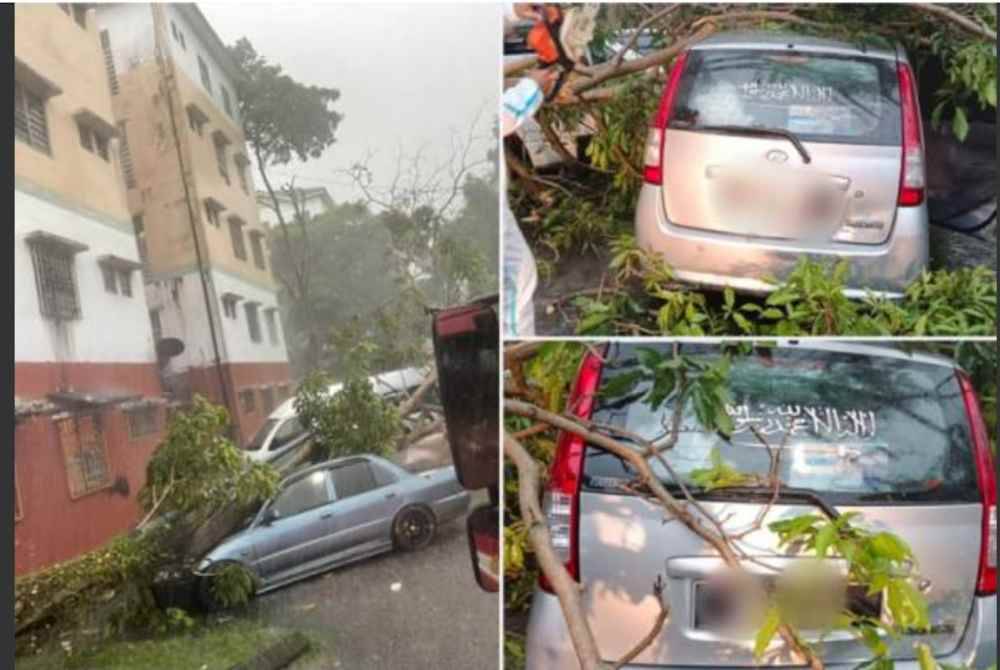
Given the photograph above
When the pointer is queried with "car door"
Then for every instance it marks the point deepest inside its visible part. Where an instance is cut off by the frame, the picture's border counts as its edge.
(366, 502)
(300, 533)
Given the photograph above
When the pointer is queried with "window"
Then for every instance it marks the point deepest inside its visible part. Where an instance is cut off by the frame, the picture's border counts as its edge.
(128, 167)
(226, 102)
(55, 279)
(267, 399)
(272, 325)
(236, 233)
(257, 246)
(86, 458)
(154, 320)
(212, 213)
(141, 422)
(241, 174)
(229, 306)
(384, 476)
(220, 157)
(30, 123)
(109, 62)
(303, 495)
(206, 79)
(195, 121)
(80, 14)
(353, 479)
(125, 282)
(110, 285)
(288, 431)
(140, 236)
(178, 35)
(65, 7)
(248, 403)
(93, 141)
(253, 324)
(283, 392)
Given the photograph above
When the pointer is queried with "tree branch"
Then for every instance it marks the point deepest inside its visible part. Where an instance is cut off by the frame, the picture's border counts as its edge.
(963, 22)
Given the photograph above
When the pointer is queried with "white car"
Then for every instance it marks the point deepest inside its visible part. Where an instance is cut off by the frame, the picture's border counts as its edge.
(282, 432)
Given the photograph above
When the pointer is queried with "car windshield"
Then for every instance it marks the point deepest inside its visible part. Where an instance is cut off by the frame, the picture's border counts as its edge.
(852, 427)
(819, 97)
(258, 439)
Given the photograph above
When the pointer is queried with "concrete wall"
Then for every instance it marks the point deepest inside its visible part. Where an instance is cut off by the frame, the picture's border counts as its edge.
(55, 527)
(52, 44)
(313, 207)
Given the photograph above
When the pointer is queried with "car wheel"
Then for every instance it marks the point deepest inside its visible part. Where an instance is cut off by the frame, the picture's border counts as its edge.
(206, 593)
(413, 528)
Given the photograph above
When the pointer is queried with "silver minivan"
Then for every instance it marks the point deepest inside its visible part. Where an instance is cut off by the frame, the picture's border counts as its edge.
(769, 147)
(895, 436)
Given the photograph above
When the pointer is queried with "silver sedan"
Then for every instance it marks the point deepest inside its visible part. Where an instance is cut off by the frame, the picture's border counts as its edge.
(335, 513)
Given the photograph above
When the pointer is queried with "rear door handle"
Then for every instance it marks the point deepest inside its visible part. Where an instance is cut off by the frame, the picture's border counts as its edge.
(326, 516)
(390, 496)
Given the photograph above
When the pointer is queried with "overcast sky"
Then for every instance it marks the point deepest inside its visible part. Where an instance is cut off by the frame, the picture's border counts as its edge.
(407, 73)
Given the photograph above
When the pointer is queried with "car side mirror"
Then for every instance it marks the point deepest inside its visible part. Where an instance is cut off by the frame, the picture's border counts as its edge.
(270, 516)
(467, 354)
(483, 526)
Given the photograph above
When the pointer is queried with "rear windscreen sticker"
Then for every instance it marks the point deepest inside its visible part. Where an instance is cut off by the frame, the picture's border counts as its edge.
(802, 420)
(787, 92)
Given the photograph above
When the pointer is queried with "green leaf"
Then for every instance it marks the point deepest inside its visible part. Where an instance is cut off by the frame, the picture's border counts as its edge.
(824, 538)
(730, 297)
(891, 547)
(925, 657)
(960, 124)
(621, 385)
(772, 622)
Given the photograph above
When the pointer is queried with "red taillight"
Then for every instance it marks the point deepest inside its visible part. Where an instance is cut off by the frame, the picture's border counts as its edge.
(563, 505)
(983, 454)
(911, 181)
(652, 172)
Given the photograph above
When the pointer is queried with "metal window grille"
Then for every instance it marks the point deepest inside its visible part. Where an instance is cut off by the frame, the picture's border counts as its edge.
(247, 401)
(206, 78)
(30, 123)
(84, 451)
(257, 246)
(267, 399)
(220, 157)
(128, 167)
(109, 62)
(272, 326)
(154, 320)
(226, 102)
(55, 280)
(142, 422)
(125, 282)
(108, 273)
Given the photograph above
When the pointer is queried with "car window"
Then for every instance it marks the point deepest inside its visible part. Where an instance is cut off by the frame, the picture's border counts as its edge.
(383, 475)
(851, 425)
(353, 479)
(288, 431)
(302, 495)
(819, 97)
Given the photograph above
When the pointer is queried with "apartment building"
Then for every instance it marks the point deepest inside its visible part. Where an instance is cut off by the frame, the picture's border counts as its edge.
(212, 299)
(310, 202)
(88, 408)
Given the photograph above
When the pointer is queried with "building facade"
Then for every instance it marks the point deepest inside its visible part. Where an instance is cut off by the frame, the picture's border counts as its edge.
(211, 296)
(311, 202)
(89, 409)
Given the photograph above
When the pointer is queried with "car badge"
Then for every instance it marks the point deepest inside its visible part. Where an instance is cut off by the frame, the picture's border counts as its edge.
(776, 156)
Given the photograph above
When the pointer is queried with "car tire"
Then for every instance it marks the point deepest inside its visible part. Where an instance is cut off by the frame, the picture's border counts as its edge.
(206, 598)
(413, 528)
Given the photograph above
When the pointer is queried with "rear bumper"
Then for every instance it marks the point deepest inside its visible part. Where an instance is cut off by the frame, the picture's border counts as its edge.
(549, 647)
(717, 260)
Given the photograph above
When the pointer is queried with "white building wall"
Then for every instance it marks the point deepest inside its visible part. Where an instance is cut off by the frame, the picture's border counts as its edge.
(186, 58)
(113, 328)
(181, 304)
(130, 31)
(313, 206)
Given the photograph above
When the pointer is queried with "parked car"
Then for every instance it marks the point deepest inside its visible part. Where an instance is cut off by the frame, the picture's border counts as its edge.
(283, 432)
(898, 437)
(336, 513)
(768, 147)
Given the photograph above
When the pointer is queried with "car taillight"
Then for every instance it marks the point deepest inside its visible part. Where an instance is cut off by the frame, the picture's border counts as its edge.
(911, 182)
(652, 172)
(562, 509)
(985, 468)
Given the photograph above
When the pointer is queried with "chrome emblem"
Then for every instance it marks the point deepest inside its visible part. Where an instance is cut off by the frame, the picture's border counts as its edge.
(776, 156)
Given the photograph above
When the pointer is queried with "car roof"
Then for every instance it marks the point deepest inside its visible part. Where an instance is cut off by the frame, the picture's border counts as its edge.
(343, 460)
(754, 39)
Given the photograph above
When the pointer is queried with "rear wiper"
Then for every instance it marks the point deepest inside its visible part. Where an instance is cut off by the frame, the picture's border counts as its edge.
(785, 493)
(761, 132)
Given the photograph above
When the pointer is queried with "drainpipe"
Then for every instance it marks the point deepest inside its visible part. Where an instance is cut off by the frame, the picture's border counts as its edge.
(168, 79)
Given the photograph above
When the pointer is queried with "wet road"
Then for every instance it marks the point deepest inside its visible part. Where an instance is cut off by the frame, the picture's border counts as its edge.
(413, 611)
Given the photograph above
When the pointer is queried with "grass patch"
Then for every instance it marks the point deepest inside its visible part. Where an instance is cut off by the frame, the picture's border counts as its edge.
(216, 647)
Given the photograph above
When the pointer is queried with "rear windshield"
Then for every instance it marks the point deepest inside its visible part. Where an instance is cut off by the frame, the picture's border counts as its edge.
(853, 427)
(819, 97)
